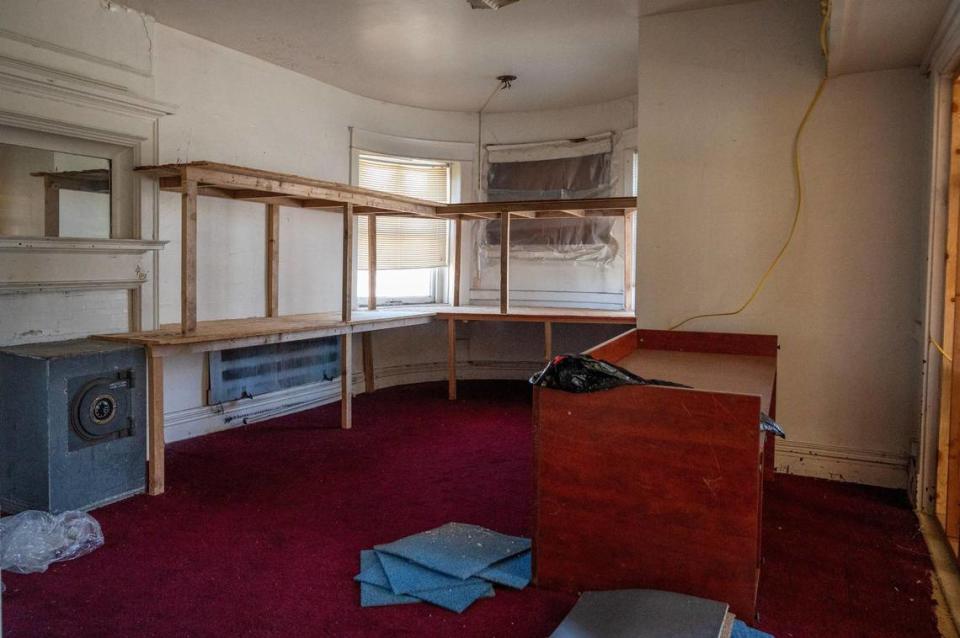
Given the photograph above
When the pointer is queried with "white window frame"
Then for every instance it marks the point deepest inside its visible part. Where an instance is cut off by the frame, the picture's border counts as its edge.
(461, 158)
(438, 279)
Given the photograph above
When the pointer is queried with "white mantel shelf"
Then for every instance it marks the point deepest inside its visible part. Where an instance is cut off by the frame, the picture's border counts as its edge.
(80, 245)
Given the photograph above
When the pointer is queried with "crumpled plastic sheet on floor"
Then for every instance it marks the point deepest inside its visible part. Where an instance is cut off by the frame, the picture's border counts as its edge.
(451, 566)
(30, 541)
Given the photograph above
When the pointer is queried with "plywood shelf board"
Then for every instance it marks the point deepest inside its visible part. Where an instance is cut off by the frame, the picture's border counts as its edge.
(539, 315)
(362, 320)
(249, 184)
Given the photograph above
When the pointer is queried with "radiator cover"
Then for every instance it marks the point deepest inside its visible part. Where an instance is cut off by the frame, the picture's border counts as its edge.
(72, 425)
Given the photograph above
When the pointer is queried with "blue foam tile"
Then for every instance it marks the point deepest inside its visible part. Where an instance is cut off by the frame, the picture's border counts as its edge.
(374, 589)
(741, 630)
(371, 571)
(457, 549)
(373, 596)
(405, 577)
(513, 572)
(457, 598)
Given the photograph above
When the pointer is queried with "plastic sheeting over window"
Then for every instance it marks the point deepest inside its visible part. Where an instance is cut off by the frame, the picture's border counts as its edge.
(569, 240)
(567, 178)
(567, 169)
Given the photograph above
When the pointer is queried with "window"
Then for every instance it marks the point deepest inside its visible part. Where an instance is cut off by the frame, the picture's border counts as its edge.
(412, 254)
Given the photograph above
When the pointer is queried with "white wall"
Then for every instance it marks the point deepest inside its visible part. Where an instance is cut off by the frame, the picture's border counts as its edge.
(294, 124)
(240, 110)
(721, 92)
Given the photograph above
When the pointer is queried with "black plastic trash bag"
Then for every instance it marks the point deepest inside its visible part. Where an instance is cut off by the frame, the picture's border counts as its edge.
(583, 373)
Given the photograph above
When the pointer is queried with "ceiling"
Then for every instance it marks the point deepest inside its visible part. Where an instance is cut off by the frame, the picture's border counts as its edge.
(438, 54)
(873, 35)
(441, 54)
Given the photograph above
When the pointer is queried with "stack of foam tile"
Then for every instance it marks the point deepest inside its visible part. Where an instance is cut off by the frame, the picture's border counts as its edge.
(451, 566)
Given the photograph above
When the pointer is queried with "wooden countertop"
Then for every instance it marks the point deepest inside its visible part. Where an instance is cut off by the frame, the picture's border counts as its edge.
(230, 333)
(736, 373)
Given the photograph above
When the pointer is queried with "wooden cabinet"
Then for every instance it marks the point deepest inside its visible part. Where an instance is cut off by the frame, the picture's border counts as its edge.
(658, 487)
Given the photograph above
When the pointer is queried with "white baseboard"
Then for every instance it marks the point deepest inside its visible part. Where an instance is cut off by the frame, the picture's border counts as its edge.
(186, 424)
(849, 465)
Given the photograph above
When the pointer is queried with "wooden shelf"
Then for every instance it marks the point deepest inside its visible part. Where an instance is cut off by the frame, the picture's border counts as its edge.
(210, 179)
(536, 315)
(268, 187)
(236, 333)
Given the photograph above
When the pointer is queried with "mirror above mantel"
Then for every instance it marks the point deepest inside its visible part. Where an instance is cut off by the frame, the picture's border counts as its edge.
(46, 193)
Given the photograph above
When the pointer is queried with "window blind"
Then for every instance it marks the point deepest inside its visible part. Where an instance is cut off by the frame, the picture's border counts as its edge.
(405, 242)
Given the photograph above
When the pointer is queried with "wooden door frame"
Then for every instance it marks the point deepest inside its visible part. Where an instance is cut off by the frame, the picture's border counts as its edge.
(947, 487)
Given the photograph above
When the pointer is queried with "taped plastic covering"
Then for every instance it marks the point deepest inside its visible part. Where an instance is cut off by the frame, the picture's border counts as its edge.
(590, 242)
(566, 169)
(30, 541)
(564, 178)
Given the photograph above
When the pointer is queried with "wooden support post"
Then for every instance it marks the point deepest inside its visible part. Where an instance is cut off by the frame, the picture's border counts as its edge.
(369, 380)
(451, 359)
(347, 308)
(346, 381)
(457, 234)
(51, 207)
(188, 255)
(504, 263)
(155, 440)
(273, 260)
(371, 263)
(547, 340)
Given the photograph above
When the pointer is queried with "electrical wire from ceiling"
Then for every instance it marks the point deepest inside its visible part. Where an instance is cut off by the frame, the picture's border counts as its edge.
(504, 82)
(825, 12)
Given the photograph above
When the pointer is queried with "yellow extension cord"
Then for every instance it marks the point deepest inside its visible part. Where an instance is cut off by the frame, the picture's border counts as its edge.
(942, 351)
(797, 176)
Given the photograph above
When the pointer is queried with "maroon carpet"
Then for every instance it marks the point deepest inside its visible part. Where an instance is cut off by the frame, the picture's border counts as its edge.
(260, 529)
